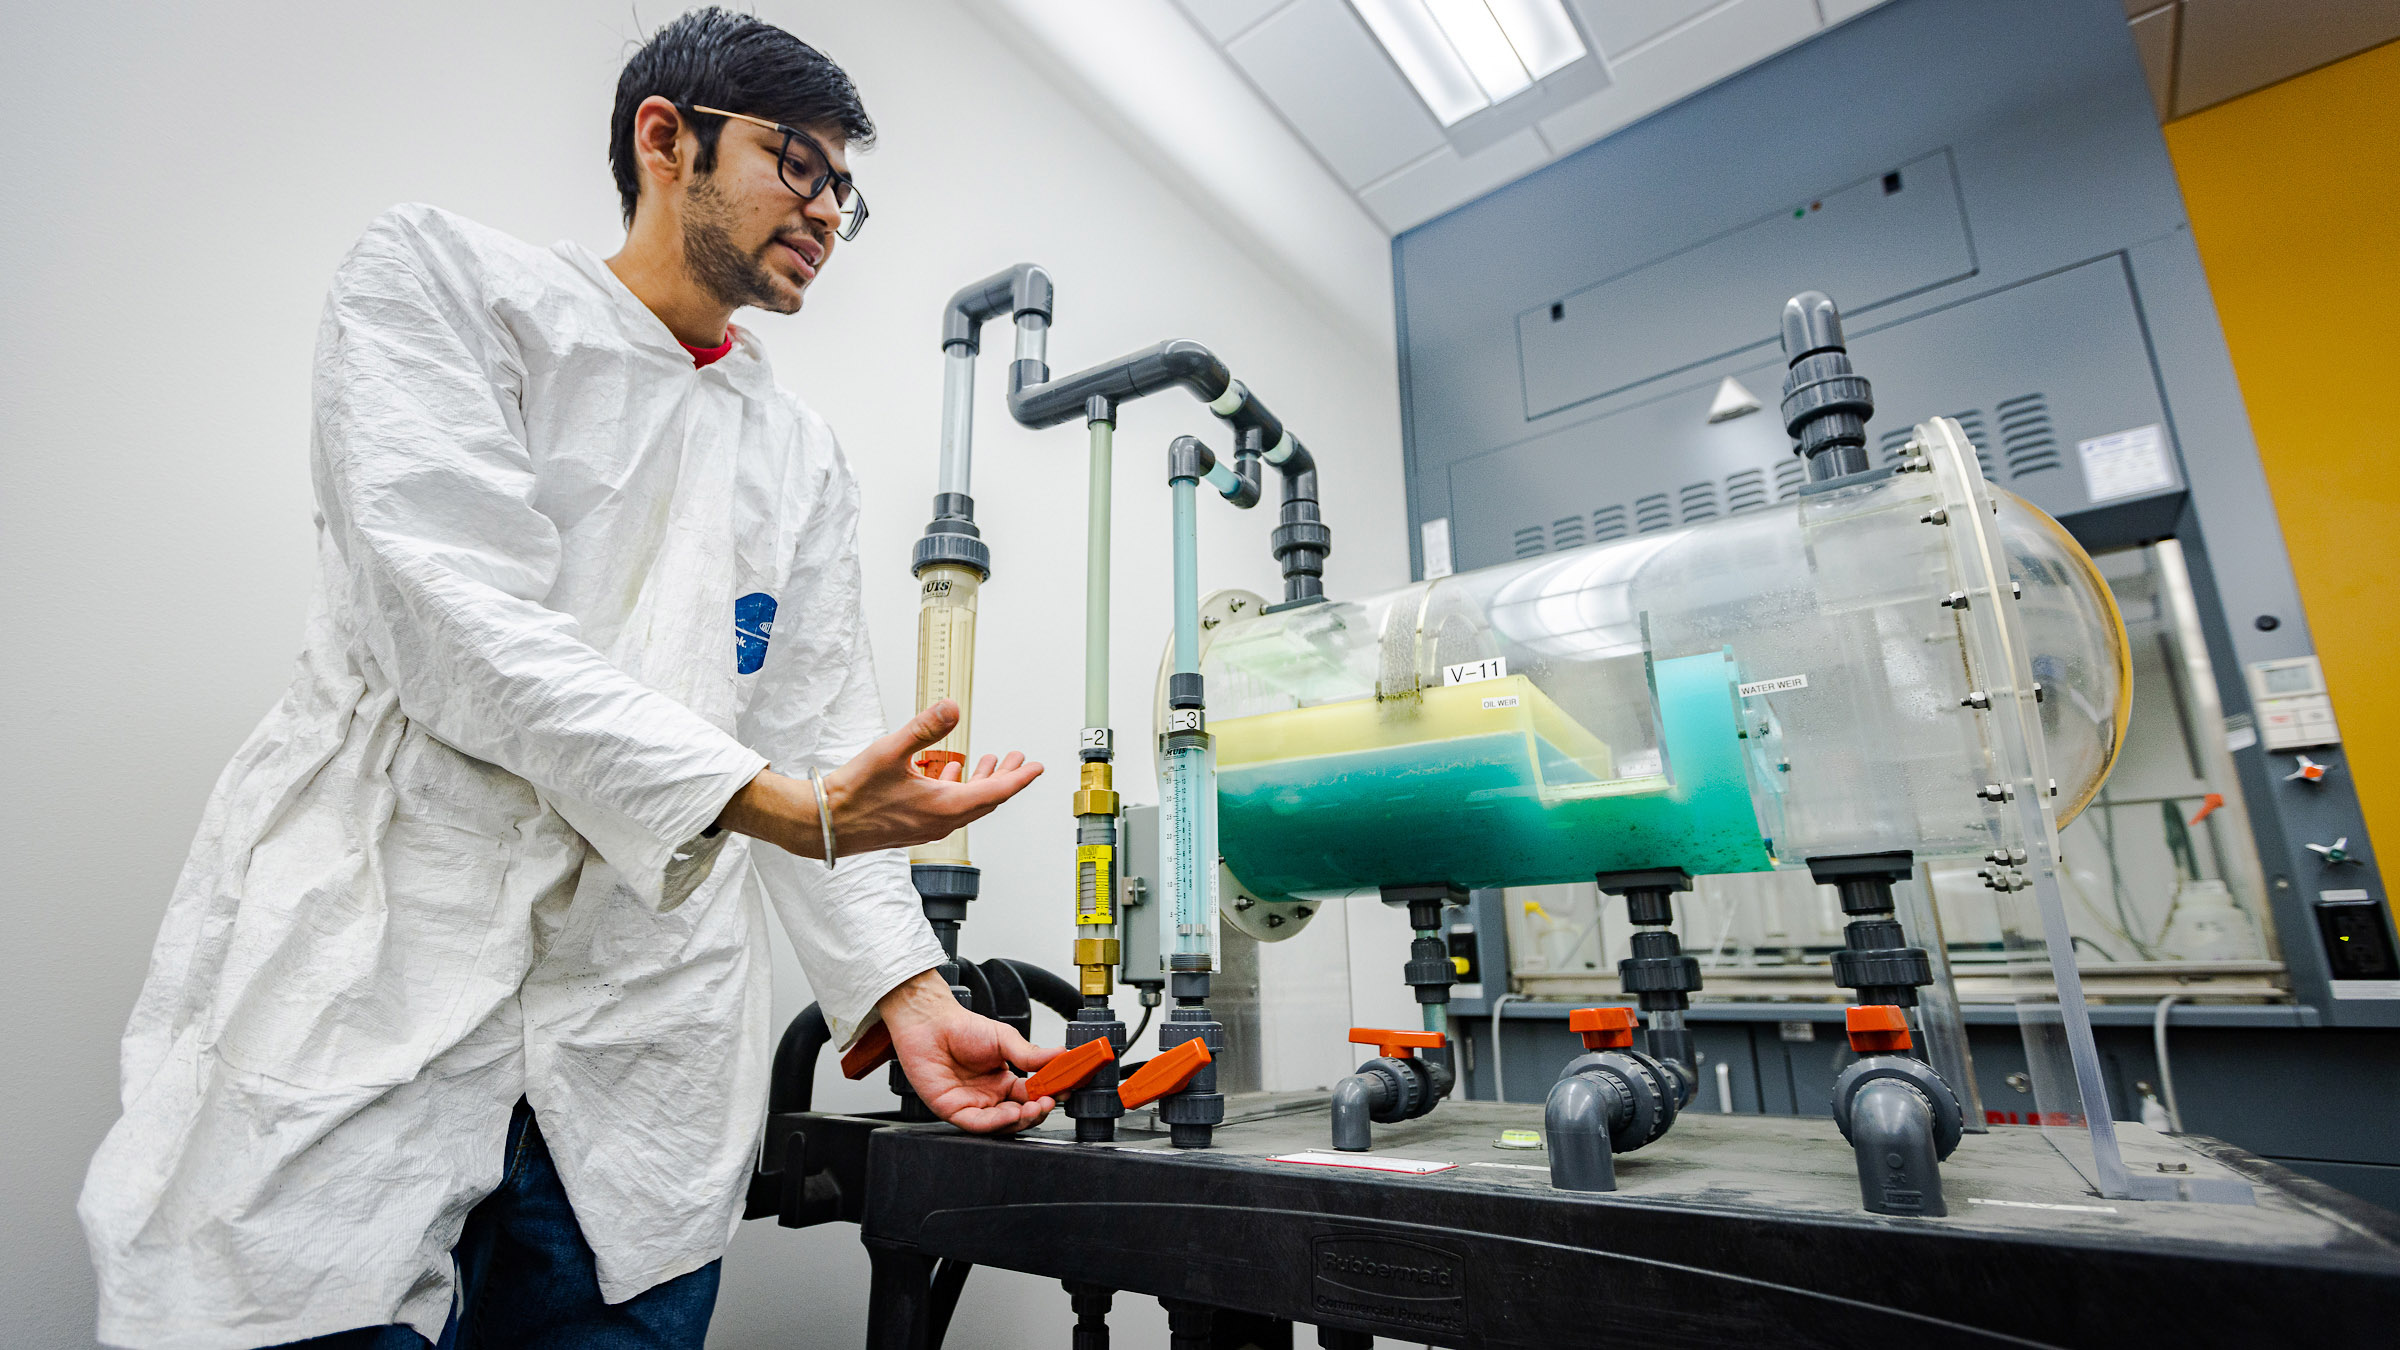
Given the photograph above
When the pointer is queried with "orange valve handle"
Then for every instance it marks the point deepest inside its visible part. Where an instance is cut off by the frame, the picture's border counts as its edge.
(1165, 1073)
(1397, 1044)
(1877, 1027)
(1070, 1070)
(2209, 805)
(874, 1049)
(1602, 1028)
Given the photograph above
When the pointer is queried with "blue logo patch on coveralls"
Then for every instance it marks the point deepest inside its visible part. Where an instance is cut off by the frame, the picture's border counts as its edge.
(753, 628)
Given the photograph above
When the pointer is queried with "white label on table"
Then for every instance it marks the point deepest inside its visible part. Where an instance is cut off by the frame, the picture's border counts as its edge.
(1365, 1162)
(1503, 701)
(1473, 672)
(1434, 535)
(2126, 464)
(2365, 988)
(1774, 686)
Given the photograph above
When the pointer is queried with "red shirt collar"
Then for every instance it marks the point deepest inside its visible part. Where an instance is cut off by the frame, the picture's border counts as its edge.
(702, 356)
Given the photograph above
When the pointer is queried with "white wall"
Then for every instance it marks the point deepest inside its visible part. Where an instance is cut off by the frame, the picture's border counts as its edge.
(182, 180)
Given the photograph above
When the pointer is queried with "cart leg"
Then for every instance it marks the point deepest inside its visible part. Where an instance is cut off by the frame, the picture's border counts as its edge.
(899, 1299)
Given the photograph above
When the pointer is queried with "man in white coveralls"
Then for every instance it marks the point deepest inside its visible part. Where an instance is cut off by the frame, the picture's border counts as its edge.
(457, 1025)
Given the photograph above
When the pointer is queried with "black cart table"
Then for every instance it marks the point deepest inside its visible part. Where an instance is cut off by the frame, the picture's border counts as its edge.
(1733, 1230)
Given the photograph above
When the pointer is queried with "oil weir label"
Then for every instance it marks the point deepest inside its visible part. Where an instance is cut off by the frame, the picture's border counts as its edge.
(1776, 686)
(1472, 672)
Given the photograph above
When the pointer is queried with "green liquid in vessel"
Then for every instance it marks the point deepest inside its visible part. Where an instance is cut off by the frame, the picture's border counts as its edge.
(1506, 808)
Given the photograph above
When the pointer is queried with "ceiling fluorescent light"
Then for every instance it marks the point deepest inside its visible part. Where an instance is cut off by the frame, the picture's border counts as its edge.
(1545, 39)
(1463, 56)
(1424, 56)
(1478, 40)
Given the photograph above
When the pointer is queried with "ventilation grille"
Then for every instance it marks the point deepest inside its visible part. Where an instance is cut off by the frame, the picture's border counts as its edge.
(1971, 422)
(1978, 435)
(2027, 445)
(1699, 502)
(2027, 439)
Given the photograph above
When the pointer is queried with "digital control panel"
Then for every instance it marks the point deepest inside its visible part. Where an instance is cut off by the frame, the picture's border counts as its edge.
(2293, 707)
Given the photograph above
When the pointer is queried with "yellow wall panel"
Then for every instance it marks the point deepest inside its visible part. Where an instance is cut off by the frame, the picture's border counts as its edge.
(2294, 195)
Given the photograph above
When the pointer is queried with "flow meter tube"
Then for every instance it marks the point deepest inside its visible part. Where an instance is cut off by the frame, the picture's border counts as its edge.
(1187, 769)
(946, 669)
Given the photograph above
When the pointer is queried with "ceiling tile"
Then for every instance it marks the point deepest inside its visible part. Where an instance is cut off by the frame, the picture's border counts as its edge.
(1223, 19)
(1842, 11)
(2154, 40)
(1322, 70)
(1731, 39)
(1622, 25)
(2231, 47)
(1434, 185)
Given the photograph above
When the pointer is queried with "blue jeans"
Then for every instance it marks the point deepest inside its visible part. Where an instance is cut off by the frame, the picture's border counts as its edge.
(527, 1277)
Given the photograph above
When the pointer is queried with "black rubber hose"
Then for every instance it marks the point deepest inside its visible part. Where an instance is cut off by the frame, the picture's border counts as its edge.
(979, 989)
(1009, 1001)
(791, 1085)
(1049, 990)
(949, 1278)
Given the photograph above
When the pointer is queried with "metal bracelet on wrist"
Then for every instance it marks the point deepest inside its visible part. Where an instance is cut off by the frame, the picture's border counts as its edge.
(824, 813)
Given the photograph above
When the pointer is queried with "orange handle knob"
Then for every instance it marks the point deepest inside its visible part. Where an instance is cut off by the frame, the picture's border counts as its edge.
(1876, 1027)
(2209, 805)
(1165, 1073)
(1602, 1028)
(1070, 1070)
(873, 1050)
(1397, 1044)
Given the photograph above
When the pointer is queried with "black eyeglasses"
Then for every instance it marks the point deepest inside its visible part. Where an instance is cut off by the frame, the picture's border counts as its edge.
(807, 170)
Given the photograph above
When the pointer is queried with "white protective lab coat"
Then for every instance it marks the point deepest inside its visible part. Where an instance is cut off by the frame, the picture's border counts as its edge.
(462, 860)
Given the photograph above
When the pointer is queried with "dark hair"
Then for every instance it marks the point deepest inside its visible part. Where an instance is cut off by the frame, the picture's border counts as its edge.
(741, 64)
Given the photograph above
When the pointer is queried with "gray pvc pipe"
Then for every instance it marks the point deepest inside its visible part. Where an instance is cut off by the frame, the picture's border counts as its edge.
(1575, 1126)
(1353, 1107)
(1891, 1132)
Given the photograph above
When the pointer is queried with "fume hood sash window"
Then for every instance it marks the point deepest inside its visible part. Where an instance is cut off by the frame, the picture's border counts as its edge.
(1463, 56)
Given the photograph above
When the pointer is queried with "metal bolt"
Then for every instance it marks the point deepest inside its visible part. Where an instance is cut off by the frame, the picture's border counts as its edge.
(1244, 903)
(2016, 590)
(1274, 921)
(1936, 516)
(2037, 691)
(1955, 600)
(1302, 911)
(1976, 698)
(2019, 1081)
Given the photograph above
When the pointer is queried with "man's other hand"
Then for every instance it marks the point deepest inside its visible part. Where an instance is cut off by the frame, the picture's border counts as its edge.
(879, 799)
(958, 1061)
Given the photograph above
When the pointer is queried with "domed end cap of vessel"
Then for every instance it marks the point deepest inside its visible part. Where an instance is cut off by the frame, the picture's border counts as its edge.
(1811, 324)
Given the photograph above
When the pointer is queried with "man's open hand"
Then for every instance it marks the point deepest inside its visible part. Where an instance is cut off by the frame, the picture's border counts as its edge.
(879, 799)
(958, 1062)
